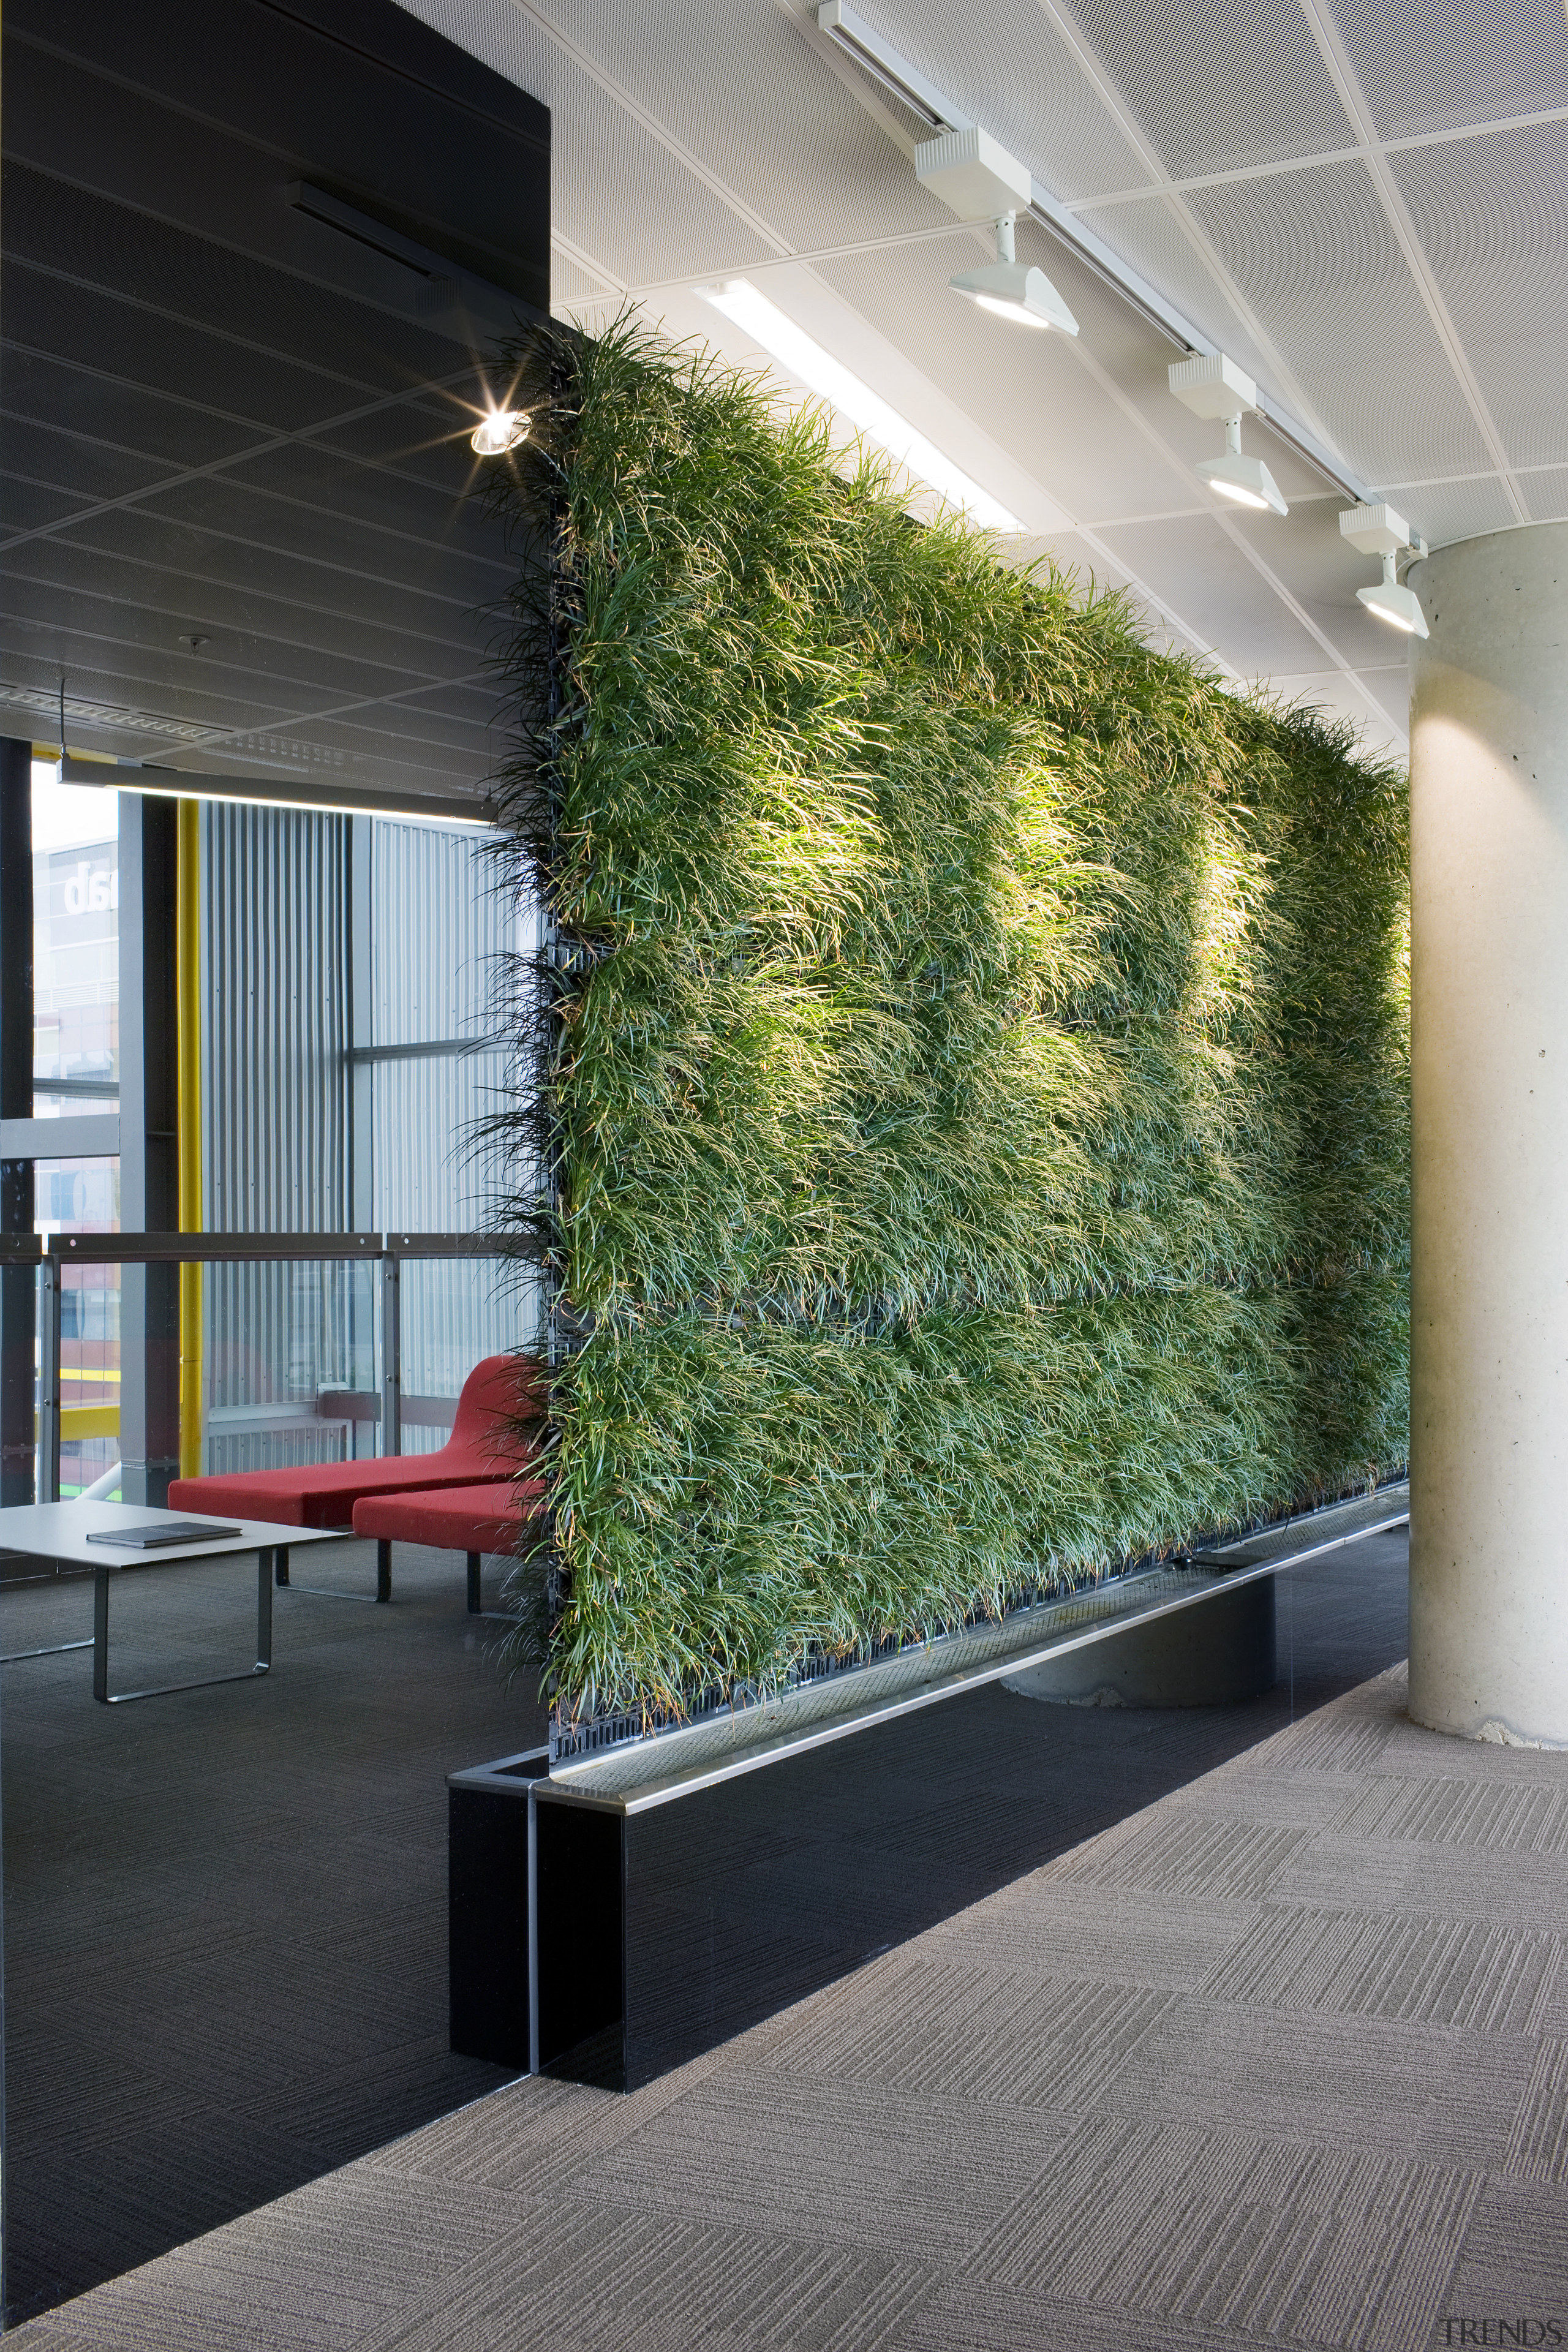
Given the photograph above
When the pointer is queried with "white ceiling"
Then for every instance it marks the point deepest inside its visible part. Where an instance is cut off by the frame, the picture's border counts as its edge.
(1365, 205)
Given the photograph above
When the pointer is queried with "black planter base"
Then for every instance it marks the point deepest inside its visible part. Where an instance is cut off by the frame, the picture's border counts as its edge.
(625, 1912)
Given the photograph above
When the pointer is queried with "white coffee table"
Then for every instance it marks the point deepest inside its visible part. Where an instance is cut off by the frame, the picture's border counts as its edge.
(59, 1531)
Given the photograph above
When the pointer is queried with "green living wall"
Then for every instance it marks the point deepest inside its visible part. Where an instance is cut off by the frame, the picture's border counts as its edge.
(976, 1066)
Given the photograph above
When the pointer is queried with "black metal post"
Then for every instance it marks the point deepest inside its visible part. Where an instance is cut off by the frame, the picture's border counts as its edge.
(18, 1309)
(149, 1148)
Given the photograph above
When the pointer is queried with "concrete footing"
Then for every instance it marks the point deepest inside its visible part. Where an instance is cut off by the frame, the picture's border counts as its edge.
(1212, 1654)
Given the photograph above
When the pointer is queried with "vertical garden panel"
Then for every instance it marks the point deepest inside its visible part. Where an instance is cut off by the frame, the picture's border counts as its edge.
(975, 1059)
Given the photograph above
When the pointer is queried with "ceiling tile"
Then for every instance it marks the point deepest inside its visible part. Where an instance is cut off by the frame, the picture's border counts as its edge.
(789, 138)
(1492, 216)
(1546, 494)
(1428, 65)
(1315, 257)
(1373, 705)
(1197, 568)
(1013, 71)
(1029, 391)
(1442, 511)
(1215, 88)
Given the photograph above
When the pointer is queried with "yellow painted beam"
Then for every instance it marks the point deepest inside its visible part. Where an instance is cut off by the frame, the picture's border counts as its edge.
(187, 969)
(89, 1421)
(85, 1421)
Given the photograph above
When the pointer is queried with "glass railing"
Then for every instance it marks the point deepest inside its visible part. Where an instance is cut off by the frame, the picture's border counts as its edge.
(269, 1351)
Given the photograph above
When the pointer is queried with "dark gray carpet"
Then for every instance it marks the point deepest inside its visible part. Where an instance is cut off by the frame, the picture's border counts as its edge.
(225, 1960)
(226, 1947)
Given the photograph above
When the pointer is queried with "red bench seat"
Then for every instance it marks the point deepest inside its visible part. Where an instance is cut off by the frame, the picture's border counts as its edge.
(485, 1446)
(471, 1519)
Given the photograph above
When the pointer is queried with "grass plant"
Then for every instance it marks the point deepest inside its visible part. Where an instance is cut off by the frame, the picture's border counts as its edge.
(974, 1056)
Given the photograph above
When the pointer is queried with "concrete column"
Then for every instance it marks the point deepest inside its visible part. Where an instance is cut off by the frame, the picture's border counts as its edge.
(1489, 1519)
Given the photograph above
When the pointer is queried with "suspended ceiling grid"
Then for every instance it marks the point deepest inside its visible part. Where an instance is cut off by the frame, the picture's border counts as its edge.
(235, 520)
(1365, 203)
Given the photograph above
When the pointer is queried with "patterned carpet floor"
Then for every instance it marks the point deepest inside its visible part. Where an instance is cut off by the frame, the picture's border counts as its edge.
(1270, 2048)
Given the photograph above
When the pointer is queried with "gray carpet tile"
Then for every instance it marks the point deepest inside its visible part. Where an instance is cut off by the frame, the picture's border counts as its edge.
(1538, 2149)
(1279, 1797)
(1178, 1851)
(593, 2279)
(1416, 1753)
(985, 2034)
(1514, 2260)
(972, 2315)
(1501, 1817)
(847, 2162)
(1108, 1934)
(353, 2252)
(1527, 1891)
(1432, 1971)
(1262, 2050)
(1274, 2241)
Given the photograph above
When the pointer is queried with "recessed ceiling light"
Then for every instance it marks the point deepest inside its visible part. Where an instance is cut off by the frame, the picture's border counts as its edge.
(833, 382)
(502, 429)
(258, 791)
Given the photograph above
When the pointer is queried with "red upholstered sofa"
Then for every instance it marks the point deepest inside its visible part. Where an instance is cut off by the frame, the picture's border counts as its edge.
(469, 1519)
(485, 1448)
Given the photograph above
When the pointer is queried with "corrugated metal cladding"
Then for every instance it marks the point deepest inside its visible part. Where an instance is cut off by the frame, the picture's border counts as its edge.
(279, 1111)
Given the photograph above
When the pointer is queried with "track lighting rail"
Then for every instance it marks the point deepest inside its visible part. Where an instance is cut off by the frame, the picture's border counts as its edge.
(850, 33)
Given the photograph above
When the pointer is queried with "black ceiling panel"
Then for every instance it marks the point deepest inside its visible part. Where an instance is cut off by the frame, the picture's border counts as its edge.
(222, 413)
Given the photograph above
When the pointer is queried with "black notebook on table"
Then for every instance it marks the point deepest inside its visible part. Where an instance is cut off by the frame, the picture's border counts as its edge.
(151, 1535)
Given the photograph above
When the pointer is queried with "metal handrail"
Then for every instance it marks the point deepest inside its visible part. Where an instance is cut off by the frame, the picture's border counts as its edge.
(247, 1249)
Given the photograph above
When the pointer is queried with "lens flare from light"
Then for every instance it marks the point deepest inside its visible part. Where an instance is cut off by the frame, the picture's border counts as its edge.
(502, 429)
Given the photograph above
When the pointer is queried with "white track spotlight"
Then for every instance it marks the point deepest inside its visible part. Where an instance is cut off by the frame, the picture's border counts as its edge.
(1216, 387)
(980, 180)
(1024, 296)
(1378, 531)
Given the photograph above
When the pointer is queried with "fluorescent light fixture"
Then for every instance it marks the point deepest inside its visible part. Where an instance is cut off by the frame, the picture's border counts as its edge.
(502, 429)
(264, 792)
(1394, 603)
(832, 380)
(1026, 297)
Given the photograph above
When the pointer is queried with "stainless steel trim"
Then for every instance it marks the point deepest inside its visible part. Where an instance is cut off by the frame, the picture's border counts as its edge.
(675, 1763)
